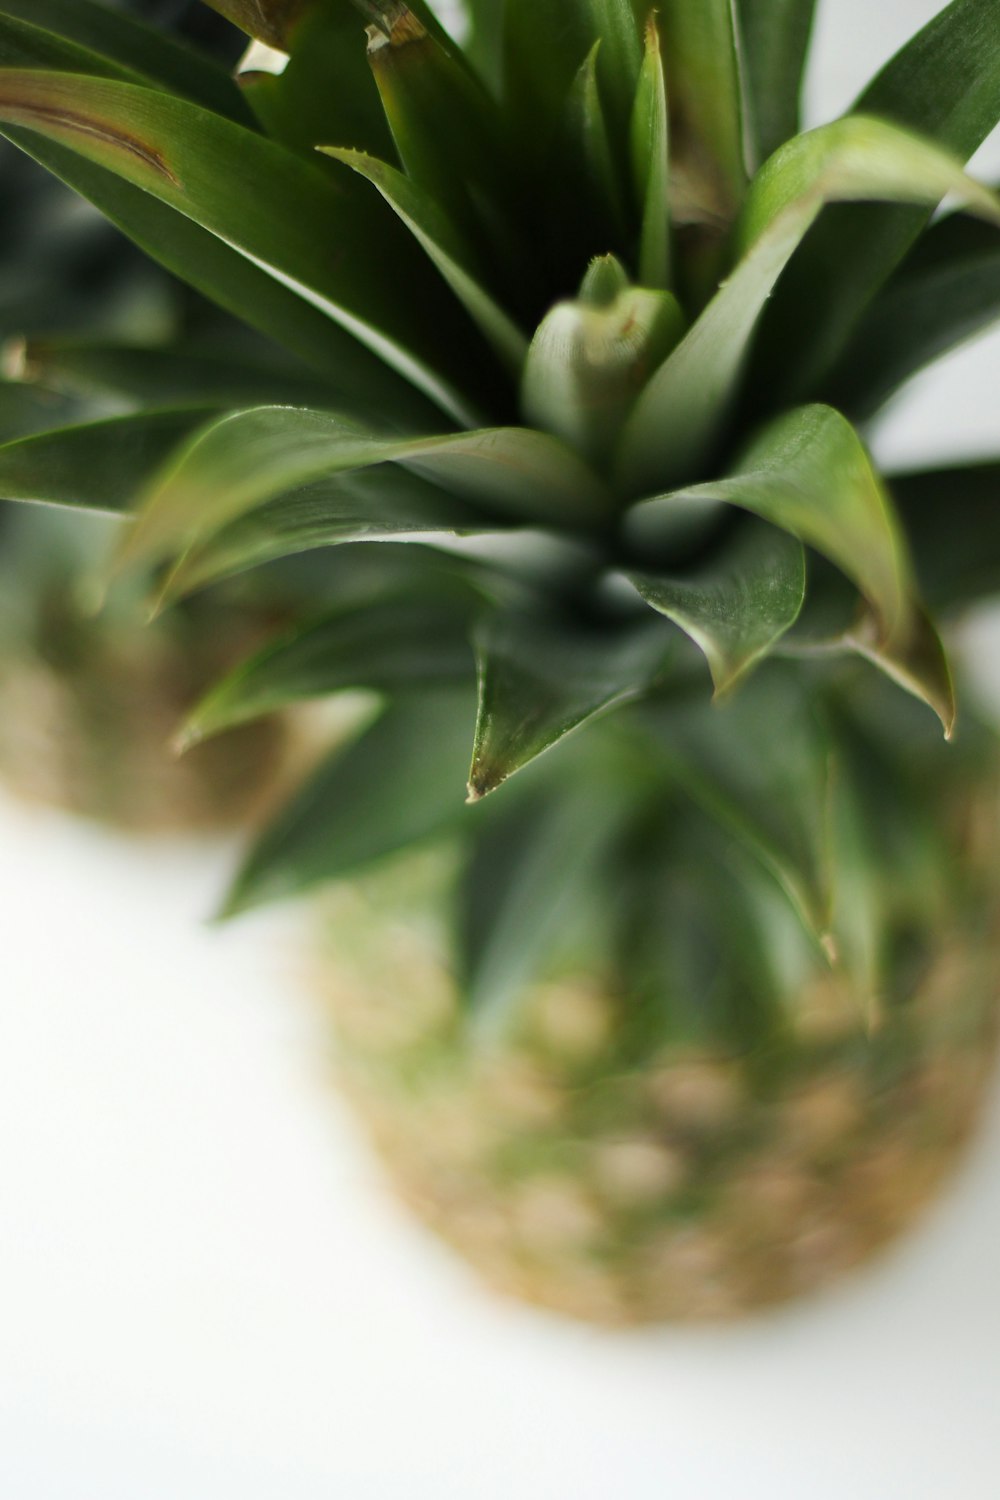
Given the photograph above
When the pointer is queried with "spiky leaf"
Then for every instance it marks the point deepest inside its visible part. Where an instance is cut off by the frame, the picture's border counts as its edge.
(399, 782)
(687, 400)
(540, 678)
(249, 457)
(739, 605)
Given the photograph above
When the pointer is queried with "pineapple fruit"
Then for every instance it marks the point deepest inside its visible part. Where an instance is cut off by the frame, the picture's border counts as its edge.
(693, 1012)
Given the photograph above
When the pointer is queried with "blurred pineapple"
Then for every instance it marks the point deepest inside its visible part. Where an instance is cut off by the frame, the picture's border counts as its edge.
(691, 1011)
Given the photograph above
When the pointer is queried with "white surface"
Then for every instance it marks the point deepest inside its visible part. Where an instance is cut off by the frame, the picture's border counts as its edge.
(204, 1294)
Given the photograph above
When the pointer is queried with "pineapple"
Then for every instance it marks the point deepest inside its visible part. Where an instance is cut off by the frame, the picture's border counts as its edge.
(691, 1010)
(88, 703)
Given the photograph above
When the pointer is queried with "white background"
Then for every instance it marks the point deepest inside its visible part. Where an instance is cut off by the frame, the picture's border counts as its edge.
(205, 1294)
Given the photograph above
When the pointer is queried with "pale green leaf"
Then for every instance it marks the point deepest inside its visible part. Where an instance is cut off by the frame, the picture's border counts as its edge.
(376, 504)
(650, 147)
(917, 663)
(686, 402)
(809, 473)
(587, 364)
(250, 457)
(944, 83)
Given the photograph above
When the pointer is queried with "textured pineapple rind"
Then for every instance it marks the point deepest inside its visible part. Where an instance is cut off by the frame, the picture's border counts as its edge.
(91, 735)
(692, 1184)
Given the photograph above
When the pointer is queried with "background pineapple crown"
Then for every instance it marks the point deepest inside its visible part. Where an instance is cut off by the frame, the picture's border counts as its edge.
(574, 308)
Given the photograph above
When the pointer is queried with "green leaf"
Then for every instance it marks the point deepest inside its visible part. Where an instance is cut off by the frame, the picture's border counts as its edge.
(447, 128)
(916, 662)
(761, 764)
(269, 21)
(774, 36)
(530, 890)
(282, 213)
(95, 466)
(143, 375)
(588, 147)
(946, 292)
(25, 410)
(363, 382)
(250, 457)
(736, 607)
(455, 259)
(545, 47)
(945, 83)
(396, 785)
(950, 517)
(386, 646)
(619, 61)
(679, 415)
(809, 474)
(326, 92)
(587, 364)
(650, 148)
(23, 45)
(484, 47)
(376, 504)
(704, 83)
(111, 41)
(540, 678)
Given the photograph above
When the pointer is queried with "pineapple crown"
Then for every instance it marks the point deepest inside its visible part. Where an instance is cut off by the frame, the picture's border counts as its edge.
(575, 311)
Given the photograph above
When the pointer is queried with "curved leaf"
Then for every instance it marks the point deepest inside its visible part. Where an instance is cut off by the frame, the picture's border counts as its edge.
(774, 36)
(687, 400)
(587, 364)
(809, 473)
(761, 764)
(282, 213)
(540, 678)
(534, 887)
(144, 375)
(250, 457)
(944, 83)
(387, 646)
(111, 37)
(738, 606)
(443, 243)
(95, 466)
(948, 291)
(397, 784)
(379, 504)
(917, 663)
(363, 382)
